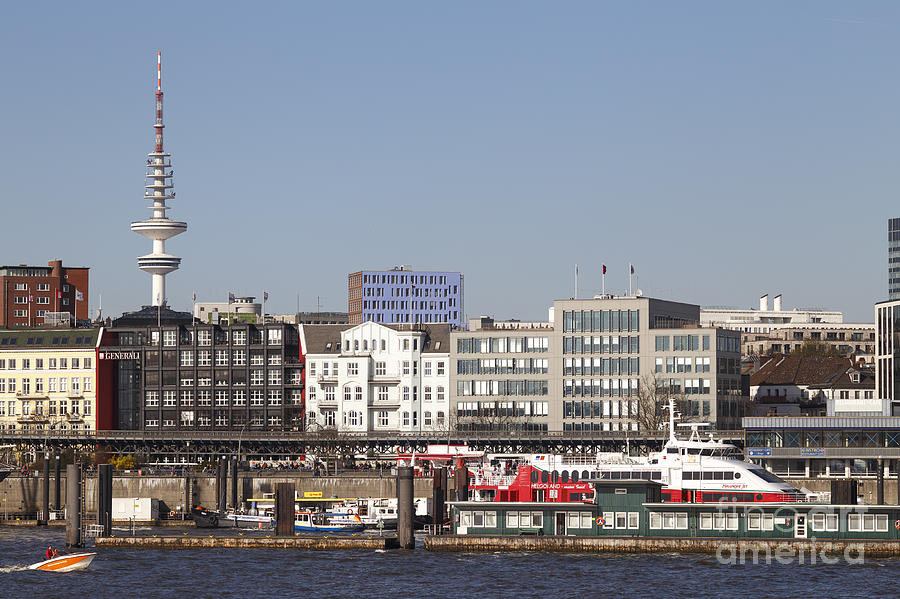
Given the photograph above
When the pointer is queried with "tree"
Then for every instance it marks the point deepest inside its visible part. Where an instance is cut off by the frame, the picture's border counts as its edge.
(122, 462)
(653, 401)
(813, 348)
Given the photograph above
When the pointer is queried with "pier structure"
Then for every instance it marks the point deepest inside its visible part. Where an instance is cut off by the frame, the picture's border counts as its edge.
(159, 227)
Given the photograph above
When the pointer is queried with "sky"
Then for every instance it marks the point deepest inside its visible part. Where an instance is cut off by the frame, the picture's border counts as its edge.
(726, 150)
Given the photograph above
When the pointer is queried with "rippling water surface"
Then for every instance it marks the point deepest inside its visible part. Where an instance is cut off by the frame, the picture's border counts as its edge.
(223, 573)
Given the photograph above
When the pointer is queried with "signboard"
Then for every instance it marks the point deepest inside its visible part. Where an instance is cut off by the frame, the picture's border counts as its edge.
(312, 494)
(812, 452)
(120, 355)
(758, 453)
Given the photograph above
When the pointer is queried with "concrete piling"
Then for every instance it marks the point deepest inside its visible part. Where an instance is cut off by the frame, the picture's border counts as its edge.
(405, 510)
(44, 516)
(73, 505)
(439, 495)
(104, 497)
(57, 505)
(221, 484)
(880, 491)
(188, 498)
(234, 482)
(284, 510)
(461, 478)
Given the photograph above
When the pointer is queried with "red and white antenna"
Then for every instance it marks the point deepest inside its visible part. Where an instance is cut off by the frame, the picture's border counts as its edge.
(158, 71)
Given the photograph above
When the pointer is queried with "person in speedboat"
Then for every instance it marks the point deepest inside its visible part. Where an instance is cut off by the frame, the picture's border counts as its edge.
(51, 552)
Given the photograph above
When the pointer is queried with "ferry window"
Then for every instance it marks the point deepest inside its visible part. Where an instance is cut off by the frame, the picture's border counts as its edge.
(586, 519)
(718, 475)
(554, 476)
(655, 521)
(687, 475)
(672, 450)
(634, 519)
(719, 521)
(537, 519)
(565, 476)
(705, 452)
(478, 519)
(753, 522)
(707, 475)
(585, 475)
(669, 520)
(621, 491)
(614, 475)
(545, 476)
(693, 450)
(737, 475)
(490, 519)
(534, 476)
(732, 521)
(512, 519)
(609, 519)
(881, 522)
(729, 475)
(574, 476)
(656, 475)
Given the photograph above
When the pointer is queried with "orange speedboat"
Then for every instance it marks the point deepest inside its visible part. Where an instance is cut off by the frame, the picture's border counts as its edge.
(68, 562)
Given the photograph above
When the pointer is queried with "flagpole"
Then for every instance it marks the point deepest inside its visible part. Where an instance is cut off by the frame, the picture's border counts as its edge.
(630, 275)
(576, 283)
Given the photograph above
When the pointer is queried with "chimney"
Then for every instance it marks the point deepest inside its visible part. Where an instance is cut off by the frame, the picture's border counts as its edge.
(777, 303)
(55, 268)
(764, 303)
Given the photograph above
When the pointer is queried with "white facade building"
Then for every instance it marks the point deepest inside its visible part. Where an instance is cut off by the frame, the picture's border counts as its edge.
(372, 377)
(765, 320)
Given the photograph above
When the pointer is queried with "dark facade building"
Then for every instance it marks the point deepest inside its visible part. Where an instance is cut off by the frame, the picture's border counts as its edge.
(177, 375)
(29, 293)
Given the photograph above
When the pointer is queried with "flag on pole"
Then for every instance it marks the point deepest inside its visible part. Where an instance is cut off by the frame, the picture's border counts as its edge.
(58, 294)
(194, 297)
(30, 298)
(632, 268)
(604, 269)
(265, 296)
(79, 297)
(230, 297)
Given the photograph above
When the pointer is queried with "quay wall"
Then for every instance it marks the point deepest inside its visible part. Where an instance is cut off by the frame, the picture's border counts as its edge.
(22, 494)
(326, 543)
(728, 548)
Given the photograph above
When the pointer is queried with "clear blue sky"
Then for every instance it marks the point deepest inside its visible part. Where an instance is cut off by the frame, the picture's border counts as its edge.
(726, 149)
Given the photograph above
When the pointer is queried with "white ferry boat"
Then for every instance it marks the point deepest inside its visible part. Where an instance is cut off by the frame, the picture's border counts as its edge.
(693, 470)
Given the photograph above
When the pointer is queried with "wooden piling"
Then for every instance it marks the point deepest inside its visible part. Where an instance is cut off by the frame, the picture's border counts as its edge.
(284, 509)
(405, 509)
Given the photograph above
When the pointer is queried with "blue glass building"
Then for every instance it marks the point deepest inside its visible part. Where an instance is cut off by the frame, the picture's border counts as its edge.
(401, 295)
(893, 258)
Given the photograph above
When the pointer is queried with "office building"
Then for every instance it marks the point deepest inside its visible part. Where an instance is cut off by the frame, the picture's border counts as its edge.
(183, 376)
(593, 366)
(893, 258)
(401, 295)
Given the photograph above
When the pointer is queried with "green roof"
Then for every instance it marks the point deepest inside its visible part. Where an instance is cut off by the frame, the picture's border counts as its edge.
(48, 338)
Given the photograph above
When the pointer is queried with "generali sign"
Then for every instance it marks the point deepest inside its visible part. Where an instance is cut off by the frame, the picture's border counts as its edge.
(120, 355)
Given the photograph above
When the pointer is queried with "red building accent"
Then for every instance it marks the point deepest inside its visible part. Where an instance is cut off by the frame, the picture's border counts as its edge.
(25, 290)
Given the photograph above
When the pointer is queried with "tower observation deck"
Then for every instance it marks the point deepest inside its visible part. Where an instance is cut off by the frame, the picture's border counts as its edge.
(159, 227)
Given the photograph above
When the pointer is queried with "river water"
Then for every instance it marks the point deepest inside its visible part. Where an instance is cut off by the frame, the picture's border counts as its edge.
(224, 573)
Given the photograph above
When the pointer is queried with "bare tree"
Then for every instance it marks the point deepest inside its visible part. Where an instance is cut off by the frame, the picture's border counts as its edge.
(487, 418)
(653, 402)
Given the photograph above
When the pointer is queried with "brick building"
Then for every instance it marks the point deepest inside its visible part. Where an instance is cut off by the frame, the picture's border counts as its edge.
(29, 293)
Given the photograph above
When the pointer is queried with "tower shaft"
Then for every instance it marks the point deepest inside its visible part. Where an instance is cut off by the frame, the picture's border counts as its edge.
(158, 190)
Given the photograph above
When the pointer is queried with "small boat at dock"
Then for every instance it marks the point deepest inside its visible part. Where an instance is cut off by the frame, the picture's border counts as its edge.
(321, 522)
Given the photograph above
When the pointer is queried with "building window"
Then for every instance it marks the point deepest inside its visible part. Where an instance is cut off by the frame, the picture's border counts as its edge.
(203, 358)
(427, 393)
(348, 393)
(170, 338)
(406, 367)
(352, 368)
(204, 338)
(426, 370)
(239, 337)
(221, 357)
(382, 418)
(380, 368)
(440, 393)
(187, 357)
(359, 394)
(382, 393)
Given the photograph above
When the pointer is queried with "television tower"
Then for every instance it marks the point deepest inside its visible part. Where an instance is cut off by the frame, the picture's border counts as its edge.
(159, 227)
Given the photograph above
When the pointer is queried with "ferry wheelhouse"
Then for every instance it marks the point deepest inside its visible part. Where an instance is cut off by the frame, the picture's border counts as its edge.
(694, 470)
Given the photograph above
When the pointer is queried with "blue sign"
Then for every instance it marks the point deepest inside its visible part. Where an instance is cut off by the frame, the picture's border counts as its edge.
(811, 452)
(756, 453)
